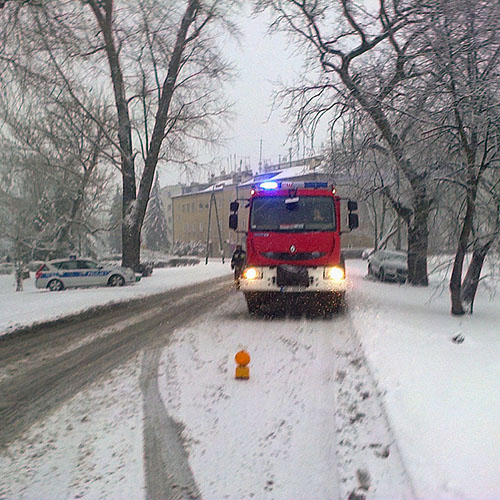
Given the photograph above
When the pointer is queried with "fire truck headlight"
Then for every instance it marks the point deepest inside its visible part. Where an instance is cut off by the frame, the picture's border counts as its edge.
(250, 273)
(334, 273)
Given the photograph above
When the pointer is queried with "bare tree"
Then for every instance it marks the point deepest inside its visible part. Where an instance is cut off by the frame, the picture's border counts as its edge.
(486, 234)
(463, 52)
(51, 163)
(156, 60)
(357, 165)
(361, 58)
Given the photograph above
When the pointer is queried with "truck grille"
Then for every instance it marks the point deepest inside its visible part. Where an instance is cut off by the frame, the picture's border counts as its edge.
(293, 256)
(287, 275)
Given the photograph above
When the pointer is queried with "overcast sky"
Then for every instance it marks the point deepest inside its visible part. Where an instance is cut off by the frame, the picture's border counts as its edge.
(262, 60)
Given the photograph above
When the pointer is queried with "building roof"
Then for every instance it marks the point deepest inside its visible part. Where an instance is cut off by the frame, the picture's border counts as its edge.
(288, 173)
(216, 186)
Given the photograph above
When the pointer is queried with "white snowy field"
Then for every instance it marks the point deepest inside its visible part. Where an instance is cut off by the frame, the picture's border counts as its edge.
(248, 439)
(443, 398)
(31, 306)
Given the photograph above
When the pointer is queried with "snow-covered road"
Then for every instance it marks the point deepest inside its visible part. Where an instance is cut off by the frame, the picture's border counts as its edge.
(378, 401)
(307, 424)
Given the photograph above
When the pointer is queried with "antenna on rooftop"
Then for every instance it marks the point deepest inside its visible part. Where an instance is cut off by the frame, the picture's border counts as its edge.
(260, 156)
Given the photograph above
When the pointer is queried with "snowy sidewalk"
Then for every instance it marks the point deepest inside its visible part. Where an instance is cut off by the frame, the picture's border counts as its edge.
(442, 397)
(18, 309)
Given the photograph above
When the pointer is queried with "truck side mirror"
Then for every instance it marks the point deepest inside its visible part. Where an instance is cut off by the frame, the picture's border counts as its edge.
(352, 205)
(234, 205)
(233, 221)
(353, 221)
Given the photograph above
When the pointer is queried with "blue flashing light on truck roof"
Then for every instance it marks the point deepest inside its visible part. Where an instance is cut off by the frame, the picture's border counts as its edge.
(271, 185)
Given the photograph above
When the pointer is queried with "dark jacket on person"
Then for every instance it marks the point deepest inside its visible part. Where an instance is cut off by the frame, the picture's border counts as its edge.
(238, 258)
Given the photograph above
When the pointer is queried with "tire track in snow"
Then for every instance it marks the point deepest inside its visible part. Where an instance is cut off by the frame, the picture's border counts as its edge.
(39, 388)
(331, 426)
(168, 473)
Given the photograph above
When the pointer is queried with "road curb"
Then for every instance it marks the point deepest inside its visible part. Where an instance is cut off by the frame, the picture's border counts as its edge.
(92, 311)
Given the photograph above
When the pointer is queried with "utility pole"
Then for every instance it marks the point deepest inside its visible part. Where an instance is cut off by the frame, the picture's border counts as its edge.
(260, 157)
(213, 201)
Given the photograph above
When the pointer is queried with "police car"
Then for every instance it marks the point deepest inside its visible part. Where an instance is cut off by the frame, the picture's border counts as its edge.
(75, 272)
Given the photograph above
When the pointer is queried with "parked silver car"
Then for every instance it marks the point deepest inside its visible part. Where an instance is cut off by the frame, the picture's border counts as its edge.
(388, 264)
(74, 272)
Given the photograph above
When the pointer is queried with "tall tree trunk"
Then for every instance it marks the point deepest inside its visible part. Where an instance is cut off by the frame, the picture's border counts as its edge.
(417, 255)
(18, 262)
(131, 245)
(103, 12)
(418, 237)
(134, 204)
(417, 230)
(471, 280)
(161, 118)
(457, 308)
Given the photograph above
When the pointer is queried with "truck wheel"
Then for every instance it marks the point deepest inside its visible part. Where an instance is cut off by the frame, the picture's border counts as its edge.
(253, 303)
(334, 303)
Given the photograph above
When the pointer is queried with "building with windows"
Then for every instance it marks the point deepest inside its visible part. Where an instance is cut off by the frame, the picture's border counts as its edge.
(200, 213)
(166, 194)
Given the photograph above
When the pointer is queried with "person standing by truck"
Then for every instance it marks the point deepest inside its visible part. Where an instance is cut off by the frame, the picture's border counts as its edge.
(238, 262)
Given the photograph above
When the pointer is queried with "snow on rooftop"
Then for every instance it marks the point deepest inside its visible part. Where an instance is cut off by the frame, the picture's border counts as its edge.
(284, 174)
(217, 186)
(290, 173)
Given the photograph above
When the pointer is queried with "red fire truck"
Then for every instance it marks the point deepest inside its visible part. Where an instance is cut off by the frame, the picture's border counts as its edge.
(293, 245)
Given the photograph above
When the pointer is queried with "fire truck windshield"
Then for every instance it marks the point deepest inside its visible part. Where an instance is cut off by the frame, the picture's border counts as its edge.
(309, 213)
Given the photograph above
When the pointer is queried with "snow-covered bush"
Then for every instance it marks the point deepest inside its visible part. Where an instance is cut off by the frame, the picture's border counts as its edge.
(194, 248)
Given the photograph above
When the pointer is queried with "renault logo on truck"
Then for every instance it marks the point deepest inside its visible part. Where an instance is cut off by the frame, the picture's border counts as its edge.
(292, 249)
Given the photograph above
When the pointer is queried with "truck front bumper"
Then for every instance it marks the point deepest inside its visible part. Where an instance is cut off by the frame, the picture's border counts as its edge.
(266, 281)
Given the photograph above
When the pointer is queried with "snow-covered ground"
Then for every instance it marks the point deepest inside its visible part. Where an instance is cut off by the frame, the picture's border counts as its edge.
(245, 439)
(34, 306)
(442, 397)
